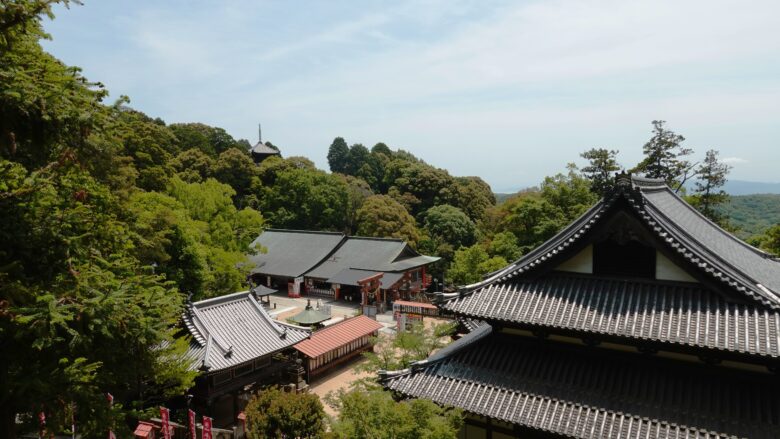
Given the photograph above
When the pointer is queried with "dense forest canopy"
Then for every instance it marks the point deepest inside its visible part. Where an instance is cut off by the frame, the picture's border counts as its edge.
(111, 219)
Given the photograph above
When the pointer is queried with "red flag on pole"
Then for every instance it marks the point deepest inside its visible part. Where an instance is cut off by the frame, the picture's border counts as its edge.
(192, 424)
(165, 416)
(206, 428)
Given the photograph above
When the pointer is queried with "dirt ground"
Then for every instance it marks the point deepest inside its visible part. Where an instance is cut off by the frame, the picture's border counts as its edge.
(339, 378)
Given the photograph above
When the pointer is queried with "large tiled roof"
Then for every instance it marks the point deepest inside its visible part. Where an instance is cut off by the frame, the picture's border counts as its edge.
(291, 253)
(230, 330)
(717, 254)
(335, 336)
(669, 312)
(377, 254)
(578, 392)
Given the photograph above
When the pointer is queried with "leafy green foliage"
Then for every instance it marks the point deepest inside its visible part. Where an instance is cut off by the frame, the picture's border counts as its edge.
(382, 216)
(398, 352)
(210, 140)
(374, 414)
(295, 195)
(276, 413)
(752, 214)
(449, 224)
(470, 264)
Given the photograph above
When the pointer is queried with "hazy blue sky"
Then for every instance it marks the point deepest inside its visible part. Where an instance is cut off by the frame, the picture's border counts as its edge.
(509, 91)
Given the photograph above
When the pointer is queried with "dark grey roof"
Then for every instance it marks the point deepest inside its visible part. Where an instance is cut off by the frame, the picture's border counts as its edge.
(291, 253)
(715, 252)
(579, 392)
(351, 276)
(261, 148)
(262, 290)
(230, 330)
(378, 254)
(669, 312)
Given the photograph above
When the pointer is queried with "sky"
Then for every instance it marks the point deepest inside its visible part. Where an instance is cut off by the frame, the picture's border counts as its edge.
(508, 91)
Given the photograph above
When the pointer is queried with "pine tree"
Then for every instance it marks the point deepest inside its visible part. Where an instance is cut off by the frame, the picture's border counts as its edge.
(708, 193)
(664, 157)
(601, 163)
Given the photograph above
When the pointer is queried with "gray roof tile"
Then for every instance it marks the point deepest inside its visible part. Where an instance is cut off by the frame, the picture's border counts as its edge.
(679, 313)
(576, 392)
(291, 253)
(230, 330)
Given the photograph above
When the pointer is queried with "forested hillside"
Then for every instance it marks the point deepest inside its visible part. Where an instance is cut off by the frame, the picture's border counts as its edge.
(752, 214)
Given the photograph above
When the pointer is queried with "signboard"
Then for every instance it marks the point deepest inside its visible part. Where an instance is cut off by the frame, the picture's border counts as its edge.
(191, 416)
(165, 421)
(206, 428)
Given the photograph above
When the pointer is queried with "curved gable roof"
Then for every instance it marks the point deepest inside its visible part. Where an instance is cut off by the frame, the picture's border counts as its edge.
(714, 251)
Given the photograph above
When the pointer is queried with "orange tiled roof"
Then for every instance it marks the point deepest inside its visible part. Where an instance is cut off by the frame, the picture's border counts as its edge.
(337, 335)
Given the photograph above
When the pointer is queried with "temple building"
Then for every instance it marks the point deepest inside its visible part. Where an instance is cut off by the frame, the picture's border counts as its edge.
(261, 151)
(641, 319)
(238, 348)
(336, 344)
(335, 266)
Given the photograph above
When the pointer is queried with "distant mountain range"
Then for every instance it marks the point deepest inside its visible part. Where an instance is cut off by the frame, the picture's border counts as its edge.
(741, 187)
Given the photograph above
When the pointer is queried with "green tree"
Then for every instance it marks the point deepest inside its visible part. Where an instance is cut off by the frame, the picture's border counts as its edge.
(294, 194)
(708, 193)
(602, 163)
(193, 165)
(505, 245)
(770, 241)
(80, 314)
(210, 140)
(338, 155)
(382, 216)
(665, 157)
(470, 264)
(274, 413)
(235, 167)
(473, 196)
(449, 224)
(375, 414)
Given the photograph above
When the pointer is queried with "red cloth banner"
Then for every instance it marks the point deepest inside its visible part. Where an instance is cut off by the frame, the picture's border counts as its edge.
(193, 433)
(165, 416)
(206, 428)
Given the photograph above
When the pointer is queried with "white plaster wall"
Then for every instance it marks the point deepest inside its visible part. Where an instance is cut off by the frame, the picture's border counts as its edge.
(668, 270)
(582, 262)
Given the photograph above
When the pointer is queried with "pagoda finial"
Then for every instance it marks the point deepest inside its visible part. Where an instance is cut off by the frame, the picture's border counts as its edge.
(259, 133)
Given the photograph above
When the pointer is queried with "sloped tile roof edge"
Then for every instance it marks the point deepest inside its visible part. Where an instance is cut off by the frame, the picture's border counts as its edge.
(712, 264)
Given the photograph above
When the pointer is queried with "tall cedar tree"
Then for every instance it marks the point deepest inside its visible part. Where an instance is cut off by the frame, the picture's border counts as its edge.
(602, 163)
(709, 195)
(664, 157)
(338, 154)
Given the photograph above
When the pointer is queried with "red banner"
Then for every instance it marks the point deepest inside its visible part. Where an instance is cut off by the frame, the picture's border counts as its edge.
(206, 428)
(193, 433)
(165, 416)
